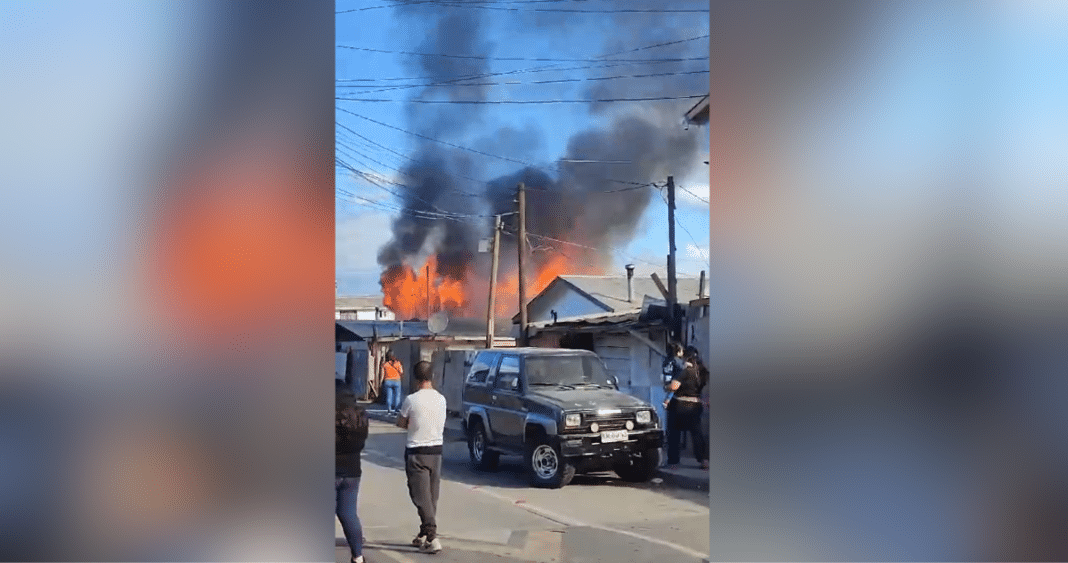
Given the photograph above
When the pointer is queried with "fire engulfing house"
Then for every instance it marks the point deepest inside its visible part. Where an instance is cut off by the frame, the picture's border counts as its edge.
(364, 344)
(618, 319)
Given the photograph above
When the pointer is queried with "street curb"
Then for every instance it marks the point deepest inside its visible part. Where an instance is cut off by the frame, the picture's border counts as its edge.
(684, 481)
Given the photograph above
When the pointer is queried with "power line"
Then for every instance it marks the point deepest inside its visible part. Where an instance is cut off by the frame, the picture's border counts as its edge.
(527, 59)
(693, 194)
(378, 88)
(631, 185)
(541, 68)
(446, 143)
(479, 102)
(438, 213)
(505, 158)
(495, 6)
(383, 147)
(530, 70)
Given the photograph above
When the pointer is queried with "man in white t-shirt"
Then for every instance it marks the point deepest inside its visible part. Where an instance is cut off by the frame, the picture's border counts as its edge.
(423, 415)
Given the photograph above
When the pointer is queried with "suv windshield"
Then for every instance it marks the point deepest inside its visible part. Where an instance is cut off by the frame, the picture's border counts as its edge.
(567, 370)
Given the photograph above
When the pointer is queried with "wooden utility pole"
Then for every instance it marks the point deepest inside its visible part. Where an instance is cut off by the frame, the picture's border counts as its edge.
(522, 246)
(428, 291)
(491, 313)
(672, 281)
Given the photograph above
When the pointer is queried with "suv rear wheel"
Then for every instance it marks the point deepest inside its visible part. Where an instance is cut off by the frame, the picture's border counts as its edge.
(478, 446)
(548, 469)
(641, 468)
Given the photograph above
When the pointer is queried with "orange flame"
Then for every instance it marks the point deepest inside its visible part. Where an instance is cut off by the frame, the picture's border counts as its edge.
(405, 288)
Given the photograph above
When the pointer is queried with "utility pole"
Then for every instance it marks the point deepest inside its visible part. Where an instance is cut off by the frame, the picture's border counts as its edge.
(491, 313)
(673, 294)
(522, 246)
(428, 291)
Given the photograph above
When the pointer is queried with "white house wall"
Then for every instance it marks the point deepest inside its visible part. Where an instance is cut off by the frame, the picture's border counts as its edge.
(565, 301)
(615, 352)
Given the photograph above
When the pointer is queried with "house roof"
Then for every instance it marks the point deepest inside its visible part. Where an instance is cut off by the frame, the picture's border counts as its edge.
(698, 114)
(359, 302)
(468, 329)
(595, 323)
(610, 292)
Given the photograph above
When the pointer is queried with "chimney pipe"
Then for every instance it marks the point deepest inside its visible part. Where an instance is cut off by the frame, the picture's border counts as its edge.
(701, 286)
(630, 283)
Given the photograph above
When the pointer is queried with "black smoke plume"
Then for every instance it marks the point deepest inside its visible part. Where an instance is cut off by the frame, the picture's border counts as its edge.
(593, 204)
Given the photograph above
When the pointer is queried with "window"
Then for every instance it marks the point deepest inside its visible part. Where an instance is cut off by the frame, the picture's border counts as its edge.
(508, 374)
(480, 369)
(568, 370)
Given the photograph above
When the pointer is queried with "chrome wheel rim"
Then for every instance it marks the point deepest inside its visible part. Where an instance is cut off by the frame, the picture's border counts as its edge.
(479, 445)
(544, 461)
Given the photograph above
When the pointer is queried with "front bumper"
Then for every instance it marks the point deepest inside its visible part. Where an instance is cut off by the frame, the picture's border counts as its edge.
(589, 445)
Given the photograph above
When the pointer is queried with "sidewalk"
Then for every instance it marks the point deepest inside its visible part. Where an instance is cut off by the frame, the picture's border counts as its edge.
(687, 476)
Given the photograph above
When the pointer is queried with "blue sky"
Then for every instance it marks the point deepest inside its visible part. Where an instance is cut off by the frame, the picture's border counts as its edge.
(362, 228)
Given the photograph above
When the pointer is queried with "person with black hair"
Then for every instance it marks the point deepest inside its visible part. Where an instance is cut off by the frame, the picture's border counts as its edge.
(350, 435)
(423, 415)
(392, 372)
(685, 410)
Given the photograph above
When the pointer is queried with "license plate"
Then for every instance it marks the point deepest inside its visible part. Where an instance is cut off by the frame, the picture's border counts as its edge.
(614, 436)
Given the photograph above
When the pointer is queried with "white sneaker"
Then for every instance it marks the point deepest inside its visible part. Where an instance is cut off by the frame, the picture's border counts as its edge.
(419, 541)
(358, 559)
(433, 546)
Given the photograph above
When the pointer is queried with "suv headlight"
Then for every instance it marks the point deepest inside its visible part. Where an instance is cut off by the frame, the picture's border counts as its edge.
(643, 417)
(573, 420)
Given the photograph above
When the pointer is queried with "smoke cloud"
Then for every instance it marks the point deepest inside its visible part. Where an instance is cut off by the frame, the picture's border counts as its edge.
(595, 204)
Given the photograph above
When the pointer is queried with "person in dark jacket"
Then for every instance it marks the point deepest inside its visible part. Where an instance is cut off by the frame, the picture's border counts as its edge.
(684, 413)
(350, 435)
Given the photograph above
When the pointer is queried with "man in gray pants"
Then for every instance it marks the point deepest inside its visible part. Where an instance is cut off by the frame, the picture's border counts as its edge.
(423, 415)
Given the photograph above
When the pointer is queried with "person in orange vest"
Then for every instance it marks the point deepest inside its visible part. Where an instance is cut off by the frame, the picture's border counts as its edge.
(392, 371)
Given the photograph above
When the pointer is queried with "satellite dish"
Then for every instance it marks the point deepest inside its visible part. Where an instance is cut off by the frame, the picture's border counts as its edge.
(437, 322)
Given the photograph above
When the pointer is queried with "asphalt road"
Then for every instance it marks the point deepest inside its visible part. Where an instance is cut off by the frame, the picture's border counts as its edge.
(498, 517)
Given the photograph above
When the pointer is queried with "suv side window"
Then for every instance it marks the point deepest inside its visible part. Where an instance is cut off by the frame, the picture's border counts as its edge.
(480, 369)
(508, 374)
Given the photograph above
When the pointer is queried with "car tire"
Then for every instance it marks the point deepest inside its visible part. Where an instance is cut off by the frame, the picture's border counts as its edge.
(482, 458)
(547, 468)
(641, 468)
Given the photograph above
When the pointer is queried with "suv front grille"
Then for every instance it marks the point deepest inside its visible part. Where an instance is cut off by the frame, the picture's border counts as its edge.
(611, 422)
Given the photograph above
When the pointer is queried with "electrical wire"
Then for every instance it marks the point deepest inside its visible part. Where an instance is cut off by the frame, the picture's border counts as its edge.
(694, 195)
(510, 102)
(495, 6)
(604, 58)
(518, 83)
(517, 59)
(545, 68)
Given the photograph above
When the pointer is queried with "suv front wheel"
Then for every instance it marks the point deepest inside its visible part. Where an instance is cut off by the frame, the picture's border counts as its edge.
(478, 446)
(548, 469)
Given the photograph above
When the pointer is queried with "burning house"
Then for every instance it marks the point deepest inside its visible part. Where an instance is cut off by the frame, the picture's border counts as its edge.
(579, 207)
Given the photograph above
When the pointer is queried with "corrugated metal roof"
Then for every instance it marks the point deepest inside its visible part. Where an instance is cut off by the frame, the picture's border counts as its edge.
(611, 291)
(596, 322)
(457, 328)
